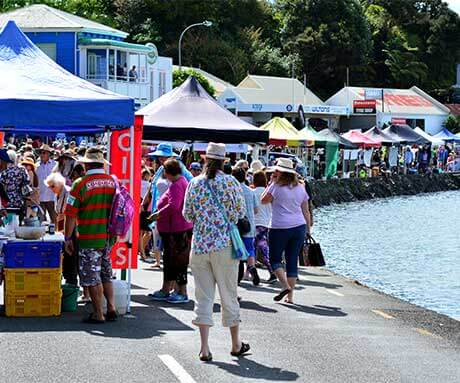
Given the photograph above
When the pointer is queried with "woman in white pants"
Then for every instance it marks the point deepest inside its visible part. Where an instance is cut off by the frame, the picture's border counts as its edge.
(212, 200)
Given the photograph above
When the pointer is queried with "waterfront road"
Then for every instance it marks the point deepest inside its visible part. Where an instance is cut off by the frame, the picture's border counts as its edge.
(338, 332)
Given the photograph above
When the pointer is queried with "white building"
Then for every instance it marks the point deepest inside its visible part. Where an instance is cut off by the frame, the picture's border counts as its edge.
(259, 98)
(369, 107)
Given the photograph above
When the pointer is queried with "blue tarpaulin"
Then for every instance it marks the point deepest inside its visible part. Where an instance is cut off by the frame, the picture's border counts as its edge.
(36, 94)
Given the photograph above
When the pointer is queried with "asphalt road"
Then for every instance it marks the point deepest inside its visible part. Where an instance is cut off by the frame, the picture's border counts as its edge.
(338, 332)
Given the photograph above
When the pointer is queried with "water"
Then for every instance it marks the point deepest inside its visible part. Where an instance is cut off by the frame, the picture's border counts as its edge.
(408, 247)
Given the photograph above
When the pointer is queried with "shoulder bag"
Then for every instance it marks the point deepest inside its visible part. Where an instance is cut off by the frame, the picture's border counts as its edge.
(238, 249)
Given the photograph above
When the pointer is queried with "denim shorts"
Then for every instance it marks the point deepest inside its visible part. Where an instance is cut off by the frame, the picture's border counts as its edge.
(289, 242)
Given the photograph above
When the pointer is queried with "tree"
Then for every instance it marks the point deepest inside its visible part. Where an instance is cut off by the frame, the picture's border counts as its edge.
(179, 77)
(328, 36)
(453, 124)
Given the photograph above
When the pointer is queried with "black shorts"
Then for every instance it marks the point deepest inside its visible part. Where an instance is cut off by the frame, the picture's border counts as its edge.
(144, 224)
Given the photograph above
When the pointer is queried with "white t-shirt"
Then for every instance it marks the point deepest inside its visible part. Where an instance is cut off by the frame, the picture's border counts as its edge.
(262, 218)
(144, 188)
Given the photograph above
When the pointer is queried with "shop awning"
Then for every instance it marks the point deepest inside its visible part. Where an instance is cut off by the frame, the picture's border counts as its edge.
(282, 132)
(37, 92)
(377, 134)
(86, 41)
(447, 136)
(188, 113)
(361, 139)
(434, 140)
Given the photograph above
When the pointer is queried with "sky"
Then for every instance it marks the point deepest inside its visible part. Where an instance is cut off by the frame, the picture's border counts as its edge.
(454, 4)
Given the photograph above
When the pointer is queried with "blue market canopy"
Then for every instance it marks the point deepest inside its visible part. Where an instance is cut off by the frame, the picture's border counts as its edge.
(189, 113)
(447, 136)
(37, 94)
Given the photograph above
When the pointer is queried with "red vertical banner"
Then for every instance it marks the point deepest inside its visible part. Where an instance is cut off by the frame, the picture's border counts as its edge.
(120, 158)
(2, 139)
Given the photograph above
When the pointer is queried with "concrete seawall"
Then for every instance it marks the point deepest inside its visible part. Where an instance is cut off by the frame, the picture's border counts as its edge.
(358, 189)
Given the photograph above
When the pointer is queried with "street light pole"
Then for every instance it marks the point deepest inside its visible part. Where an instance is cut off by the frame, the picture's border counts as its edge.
(205, 23)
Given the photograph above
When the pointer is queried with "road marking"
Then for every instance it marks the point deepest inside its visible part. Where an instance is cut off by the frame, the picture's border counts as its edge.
(426, 332)
(335, 293)
(182, 375)
(382, 314)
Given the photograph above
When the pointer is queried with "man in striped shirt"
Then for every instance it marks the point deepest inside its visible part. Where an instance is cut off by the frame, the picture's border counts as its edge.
(88, 208)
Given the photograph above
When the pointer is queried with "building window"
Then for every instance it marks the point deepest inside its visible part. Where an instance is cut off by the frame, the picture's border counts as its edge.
(97, 64)
(49, 50)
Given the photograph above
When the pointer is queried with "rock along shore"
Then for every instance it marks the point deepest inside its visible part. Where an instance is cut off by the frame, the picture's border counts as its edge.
(358, 189)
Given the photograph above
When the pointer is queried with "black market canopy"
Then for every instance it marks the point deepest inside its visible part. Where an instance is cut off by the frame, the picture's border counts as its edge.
(404, 134)
(188, 113)
(36, 94)
(329, 136)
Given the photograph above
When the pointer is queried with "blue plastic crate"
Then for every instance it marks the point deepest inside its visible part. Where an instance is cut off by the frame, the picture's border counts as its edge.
(32, 254)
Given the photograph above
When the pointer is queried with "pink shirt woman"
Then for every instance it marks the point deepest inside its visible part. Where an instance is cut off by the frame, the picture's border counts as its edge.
(170, 205)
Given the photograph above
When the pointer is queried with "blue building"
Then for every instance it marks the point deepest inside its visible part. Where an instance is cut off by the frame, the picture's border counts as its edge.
(96, 52)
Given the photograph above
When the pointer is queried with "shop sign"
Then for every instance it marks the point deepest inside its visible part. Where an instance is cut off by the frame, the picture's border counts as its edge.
(398, 121)
(325, 109)
(364, 106)
(120, 157)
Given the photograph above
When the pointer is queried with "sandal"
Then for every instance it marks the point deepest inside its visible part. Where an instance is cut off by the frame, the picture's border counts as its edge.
(205, 358)
(281, 295)
(92, 320)
(245, 347)
(111, 316)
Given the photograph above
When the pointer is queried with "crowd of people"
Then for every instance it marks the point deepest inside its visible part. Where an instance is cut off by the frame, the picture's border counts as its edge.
(187, 212)
(409, 159)
(186, 216)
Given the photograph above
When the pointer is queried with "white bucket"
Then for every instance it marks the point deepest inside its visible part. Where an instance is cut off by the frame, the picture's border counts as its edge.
(120, 296)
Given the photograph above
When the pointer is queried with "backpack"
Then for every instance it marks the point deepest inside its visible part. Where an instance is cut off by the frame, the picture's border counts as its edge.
(121, 213)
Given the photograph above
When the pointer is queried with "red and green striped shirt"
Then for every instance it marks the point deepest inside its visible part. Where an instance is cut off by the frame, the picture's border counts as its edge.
(90, 201)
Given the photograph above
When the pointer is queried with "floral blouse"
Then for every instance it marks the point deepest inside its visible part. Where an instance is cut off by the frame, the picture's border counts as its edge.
(14, 179)
(210, 229)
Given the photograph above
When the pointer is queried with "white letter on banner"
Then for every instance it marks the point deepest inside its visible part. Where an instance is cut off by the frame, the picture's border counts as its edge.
(122, 258)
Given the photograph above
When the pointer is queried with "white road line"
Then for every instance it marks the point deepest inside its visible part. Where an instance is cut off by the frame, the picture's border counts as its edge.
(335, 293)
(382, 314)
(182, 375)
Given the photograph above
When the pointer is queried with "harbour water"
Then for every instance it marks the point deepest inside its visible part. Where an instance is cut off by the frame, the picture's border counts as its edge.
(408, 247)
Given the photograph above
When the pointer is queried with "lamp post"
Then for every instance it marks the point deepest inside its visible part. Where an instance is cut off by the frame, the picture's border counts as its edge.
(205, 23)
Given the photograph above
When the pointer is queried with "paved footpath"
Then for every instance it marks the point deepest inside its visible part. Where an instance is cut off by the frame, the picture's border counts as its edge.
(338, 332)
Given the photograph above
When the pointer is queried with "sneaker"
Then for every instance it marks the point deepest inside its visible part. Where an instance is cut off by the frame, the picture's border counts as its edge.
(272, 279)
(255, 276)
(177, 298)
(159, 295)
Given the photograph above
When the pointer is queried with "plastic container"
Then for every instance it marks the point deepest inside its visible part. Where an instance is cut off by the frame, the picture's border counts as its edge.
(32, 305)
(33, 281)
(120, 295)
(29, 254)
(69, 298)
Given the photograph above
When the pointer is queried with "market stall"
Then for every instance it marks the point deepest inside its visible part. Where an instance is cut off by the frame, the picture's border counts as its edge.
(404, 134)
(433, 140)
(447, 136)
(38, 95)
(377, 134)
(282, 133)
(188, 113)
(361, 140)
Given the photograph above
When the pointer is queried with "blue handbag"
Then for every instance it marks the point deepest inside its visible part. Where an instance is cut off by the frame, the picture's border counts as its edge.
(238, 248)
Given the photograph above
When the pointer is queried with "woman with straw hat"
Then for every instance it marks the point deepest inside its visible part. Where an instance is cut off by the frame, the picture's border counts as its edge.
(212, 201)
(289, 223)
(34, 199)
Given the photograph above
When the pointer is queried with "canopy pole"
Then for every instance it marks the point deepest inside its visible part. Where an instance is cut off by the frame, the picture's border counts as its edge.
(130, 235)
